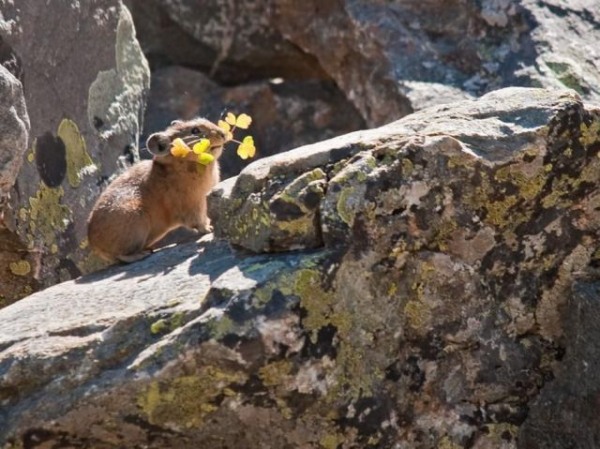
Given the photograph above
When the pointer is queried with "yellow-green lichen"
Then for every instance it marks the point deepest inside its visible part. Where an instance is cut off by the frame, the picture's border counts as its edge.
(220, 326)
(443, 233)
(344, 208)
(185, 401)
(317, 302)
(529, 187)
(498, 211)
(158, 327)
(498, 433)
(418, 313)
(332, 440)
(47, 216)
(79, 161)
(590, 134)
(407, 167)
(275, 373)
(20, 268)
(447, 443)
(169, 324)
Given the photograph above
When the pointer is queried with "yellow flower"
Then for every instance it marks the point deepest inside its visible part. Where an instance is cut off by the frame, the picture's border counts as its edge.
(241, 121)
(201, 146)
(246, 148)
(179, 148)
(227, 128)
(205, 158)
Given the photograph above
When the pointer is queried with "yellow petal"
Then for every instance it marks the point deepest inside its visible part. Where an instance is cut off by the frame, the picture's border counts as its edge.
(243, 121)
(179, 148)
(224, 125)
(205, 158)
(246, 148)
(201, 146)
(230, 118)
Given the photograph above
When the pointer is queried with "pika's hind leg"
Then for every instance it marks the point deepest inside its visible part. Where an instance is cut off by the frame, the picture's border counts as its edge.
(131, 243)
(130, 258)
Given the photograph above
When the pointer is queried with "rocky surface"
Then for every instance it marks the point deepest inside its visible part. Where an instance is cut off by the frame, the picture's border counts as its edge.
(440, 294)
(84, 85)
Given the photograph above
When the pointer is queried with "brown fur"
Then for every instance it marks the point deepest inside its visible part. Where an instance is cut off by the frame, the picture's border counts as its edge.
(153, 197)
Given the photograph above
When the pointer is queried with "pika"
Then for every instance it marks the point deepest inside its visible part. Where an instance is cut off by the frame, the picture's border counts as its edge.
(155, 196)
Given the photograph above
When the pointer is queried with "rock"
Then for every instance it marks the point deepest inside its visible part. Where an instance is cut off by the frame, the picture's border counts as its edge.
(286, 114)
(232, 41)
(563, 414)
(388, 58)
(434, 311)
(84, 90)
(14, 129)
(393, 58)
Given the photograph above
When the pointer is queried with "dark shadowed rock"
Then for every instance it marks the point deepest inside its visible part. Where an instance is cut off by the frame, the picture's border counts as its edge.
(233, 41)
(564, 414)
(85, 81)
(434, 310)
(286, 114)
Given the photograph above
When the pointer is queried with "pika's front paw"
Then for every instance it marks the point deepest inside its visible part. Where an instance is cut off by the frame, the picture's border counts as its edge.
(206, 229)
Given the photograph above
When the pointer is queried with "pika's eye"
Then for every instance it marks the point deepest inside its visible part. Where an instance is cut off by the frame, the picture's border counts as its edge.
(195, 130)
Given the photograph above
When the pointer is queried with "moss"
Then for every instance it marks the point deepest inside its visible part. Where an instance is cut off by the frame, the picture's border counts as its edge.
(20, 268)
(78, 160)
(169, 324)
(185, 401)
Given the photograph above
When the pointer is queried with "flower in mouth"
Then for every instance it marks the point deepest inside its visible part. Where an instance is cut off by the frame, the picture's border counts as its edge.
(181, 149)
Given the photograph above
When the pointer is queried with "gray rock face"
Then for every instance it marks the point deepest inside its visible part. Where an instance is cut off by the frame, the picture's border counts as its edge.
(392, 57)
(232, 41)
(85, 81)
(434, 309)
(14, 129)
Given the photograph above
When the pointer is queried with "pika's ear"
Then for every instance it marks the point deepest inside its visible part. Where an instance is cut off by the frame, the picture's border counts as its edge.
(158, 144)
(176, 122)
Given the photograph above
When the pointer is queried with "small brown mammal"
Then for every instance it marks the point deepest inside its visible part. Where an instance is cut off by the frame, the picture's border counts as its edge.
(153, 197)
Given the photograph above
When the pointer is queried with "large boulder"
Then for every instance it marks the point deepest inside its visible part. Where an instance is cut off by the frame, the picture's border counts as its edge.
(85, 81)
(440, 292)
